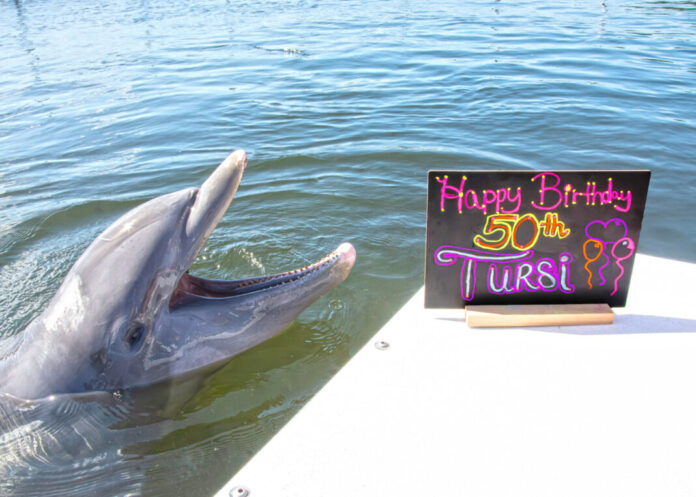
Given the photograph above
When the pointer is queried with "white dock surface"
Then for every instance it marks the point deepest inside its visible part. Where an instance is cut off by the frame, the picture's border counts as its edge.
(452, 411)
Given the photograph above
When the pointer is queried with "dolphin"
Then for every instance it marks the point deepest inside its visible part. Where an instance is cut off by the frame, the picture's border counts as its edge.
(129, 314)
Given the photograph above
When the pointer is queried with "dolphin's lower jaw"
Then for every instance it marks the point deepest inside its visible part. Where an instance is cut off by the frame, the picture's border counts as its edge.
(192, 288)
(211, 321)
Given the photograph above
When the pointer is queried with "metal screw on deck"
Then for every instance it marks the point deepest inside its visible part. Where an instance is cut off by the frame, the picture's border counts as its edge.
(381, 345)
(239, 492)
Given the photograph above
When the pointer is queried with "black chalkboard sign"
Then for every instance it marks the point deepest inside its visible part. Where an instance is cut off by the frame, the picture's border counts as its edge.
(532, 237)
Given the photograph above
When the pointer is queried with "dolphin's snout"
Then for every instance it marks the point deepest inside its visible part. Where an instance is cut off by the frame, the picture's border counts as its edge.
(237, 159)
(234, 164)
(346, 252)
(214, 197)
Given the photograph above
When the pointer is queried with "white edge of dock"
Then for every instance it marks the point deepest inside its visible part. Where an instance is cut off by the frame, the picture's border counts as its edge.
(440, 409)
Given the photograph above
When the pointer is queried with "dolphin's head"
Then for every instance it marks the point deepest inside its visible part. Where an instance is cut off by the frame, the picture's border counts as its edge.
(128, 312)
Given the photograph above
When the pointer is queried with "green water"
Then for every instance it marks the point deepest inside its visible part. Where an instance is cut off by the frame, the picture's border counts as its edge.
(342, 107)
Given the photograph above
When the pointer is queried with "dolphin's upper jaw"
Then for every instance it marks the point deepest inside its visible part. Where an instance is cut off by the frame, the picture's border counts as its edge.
(192, 288)
(212, 200)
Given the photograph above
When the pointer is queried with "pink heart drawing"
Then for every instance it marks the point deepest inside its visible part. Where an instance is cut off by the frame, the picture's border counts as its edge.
(608, 232)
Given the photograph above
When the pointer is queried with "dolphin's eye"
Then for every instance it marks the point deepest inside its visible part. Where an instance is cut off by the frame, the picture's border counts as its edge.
(134, 334)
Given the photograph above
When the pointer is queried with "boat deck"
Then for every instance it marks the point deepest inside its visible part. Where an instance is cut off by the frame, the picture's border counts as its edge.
(445, 410)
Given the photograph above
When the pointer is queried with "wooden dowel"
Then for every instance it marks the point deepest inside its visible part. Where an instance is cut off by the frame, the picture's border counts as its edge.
(479, 316)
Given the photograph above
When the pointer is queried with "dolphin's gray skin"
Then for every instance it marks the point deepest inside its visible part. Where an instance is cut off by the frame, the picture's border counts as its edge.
(129, 314)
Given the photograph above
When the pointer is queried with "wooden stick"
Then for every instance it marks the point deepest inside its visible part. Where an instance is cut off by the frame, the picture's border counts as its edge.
(479, 316)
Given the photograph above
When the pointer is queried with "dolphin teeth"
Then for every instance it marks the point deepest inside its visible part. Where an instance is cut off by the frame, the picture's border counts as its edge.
(264, 282)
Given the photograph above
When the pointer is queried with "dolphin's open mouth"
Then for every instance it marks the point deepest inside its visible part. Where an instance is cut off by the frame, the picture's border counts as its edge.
(191, 288)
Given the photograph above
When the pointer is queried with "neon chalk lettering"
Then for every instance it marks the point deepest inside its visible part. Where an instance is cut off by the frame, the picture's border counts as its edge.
(611, 233)
(448, 255)
(469, 199)
(544, 274)
(597, 247)
(627, 245)
(552, 195)
(507, 227)
(532, 237)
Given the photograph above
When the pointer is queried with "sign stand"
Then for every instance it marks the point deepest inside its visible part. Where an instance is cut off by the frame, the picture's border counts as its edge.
(481, 316)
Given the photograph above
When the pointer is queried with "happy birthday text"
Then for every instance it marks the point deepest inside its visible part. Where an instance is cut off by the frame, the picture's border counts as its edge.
(552, 194)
